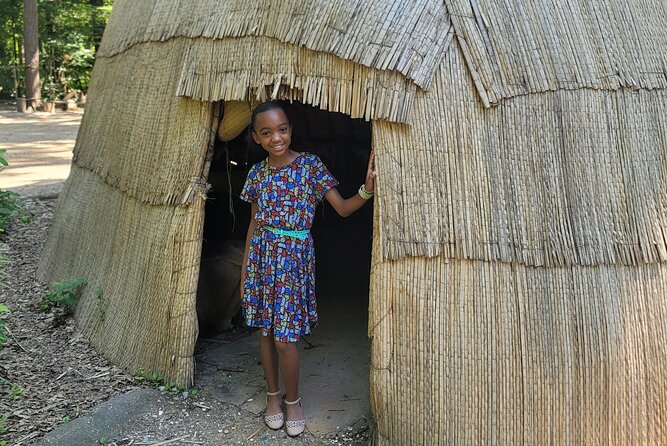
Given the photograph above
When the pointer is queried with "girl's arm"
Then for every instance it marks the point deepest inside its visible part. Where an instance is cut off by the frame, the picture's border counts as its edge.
(346, 207)
(251, 231)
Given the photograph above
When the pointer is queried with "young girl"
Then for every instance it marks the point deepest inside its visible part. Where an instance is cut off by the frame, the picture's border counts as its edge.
(278, 274)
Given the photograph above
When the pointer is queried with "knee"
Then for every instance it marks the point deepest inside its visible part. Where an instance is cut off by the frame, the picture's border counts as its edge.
(283, 347)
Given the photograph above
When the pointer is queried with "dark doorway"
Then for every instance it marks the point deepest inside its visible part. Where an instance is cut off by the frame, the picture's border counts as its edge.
(334, 375)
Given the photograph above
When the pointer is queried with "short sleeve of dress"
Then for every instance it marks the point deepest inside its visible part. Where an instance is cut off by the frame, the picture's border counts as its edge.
(250, 191)
(322, 178)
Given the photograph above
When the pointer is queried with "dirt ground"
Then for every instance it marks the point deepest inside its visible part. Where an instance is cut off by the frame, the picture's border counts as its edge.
(49, 374)
(39, 150)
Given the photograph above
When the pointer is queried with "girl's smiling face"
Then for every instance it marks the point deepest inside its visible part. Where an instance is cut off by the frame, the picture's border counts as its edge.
(273, 131)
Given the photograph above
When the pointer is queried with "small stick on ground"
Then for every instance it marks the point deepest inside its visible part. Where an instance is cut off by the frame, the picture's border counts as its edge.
(99, 375)
(14, 338)
(255, 433)
(63, 374)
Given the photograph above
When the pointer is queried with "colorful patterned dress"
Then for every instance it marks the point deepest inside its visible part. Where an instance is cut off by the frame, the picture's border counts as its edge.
(279, 287)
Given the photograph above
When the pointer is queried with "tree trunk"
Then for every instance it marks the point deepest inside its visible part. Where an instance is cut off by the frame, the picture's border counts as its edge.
(31, 37)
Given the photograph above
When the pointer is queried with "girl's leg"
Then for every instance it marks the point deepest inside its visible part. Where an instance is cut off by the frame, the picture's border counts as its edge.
(269, 357)
(289, 367)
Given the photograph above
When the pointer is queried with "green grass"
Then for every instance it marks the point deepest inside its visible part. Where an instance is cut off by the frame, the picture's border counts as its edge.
(64, 294)
(10, 205)
(155, 380)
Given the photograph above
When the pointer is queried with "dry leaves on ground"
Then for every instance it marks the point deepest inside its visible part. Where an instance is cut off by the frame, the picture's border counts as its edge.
(48, 373)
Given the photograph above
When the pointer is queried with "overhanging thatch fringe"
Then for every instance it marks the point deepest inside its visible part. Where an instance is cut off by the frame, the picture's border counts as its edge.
(141, 263)
(235, 69)
(516, 48)
(391, 35)
(557, 178)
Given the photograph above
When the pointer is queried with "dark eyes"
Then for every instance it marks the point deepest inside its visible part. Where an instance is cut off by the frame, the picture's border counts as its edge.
(281, 130)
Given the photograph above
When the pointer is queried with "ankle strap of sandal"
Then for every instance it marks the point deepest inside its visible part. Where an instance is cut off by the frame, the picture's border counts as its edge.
(274, 393)
(293, 402)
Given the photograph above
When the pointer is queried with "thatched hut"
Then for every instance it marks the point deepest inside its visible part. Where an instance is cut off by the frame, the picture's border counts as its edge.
(518, 279)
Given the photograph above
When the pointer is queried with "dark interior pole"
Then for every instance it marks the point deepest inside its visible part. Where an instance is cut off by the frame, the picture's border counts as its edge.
(31, 45)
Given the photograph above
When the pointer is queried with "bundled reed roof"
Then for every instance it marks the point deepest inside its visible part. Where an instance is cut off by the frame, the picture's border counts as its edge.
(557, 178)
(516, 48)
(136, 135)
(392, 35)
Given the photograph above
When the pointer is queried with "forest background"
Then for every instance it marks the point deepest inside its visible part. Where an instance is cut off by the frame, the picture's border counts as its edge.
(69, 33)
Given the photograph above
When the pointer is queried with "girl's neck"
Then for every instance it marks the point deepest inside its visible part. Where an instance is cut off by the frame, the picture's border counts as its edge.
(287, 158)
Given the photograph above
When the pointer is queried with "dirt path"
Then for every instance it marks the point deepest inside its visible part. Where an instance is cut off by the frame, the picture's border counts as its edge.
(39, 150)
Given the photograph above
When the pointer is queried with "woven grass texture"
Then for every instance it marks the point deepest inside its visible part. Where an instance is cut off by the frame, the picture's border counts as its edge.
(242, 68)
(515, 48)
(141, 263)
(137, 186)
(136, 134)
(489, 353)
(408, 37)
(557, 178)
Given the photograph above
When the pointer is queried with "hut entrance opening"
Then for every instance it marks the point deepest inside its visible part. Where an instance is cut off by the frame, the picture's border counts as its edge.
(335, 358)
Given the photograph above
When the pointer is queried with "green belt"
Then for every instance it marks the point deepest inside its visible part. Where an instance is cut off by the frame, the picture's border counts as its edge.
(301, 235)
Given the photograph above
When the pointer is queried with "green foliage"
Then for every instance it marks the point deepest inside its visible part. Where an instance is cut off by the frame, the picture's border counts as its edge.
(155, 380)
(11, 37)
(64, 294)
(3, 428)
(10, 203)
(16, 391)
(70, 32)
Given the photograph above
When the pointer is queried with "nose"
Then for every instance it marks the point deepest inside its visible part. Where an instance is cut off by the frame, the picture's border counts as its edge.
(275, 137)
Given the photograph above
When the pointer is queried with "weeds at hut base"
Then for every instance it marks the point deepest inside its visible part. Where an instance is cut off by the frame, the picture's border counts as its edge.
(157, 381)
(64, 294)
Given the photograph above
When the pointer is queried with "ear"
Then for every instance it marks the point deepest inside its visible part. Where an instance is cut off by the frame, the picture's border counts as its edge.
(254, 137)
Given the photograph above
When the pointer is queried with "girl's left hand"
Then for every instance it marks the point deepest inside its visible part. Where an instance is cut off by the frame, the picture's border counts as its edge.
(370, 173)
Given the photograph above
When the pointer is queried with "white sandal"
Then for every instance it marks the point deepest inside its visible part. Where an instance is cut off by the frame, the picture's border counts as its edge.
(277, 420)
(295, 427)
